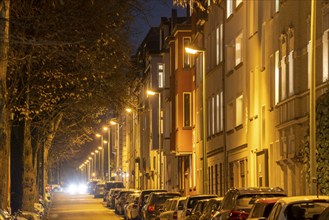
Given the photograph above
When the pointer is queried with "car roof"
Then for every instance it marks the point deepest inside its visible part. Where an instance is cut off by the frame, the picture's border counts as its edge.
(165, 193)
(202, 195)
(296, 199)
(268, 200)
(264, 190)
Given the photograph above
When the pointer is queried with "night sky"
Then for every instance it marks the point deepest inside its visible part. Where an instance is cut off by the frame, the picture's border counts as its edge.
(153, 13)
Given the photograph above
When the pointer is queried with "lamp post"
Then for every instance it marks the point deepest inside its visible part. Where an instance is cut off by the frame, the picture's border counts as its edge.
(312, 68)
(204, 119)
(102, 161)
(105, 128)
(112, 122)
(152, 93)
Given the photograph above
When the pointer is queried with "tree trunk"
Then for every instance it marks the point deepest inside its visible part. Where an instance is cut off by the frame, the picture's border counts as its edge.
(50, 137)
(29, 175)
(5, 112)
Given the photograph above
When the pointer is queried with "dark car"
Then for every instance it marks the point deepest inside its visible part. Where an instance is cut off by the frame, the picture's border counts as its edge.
(142, 199)
(111, 185)
(197, 210)
(91, 186)
(191, 202)
(121, 198)
(211, 207)
(110, 199)
(155, 202)
(238, 202)
(99, 190)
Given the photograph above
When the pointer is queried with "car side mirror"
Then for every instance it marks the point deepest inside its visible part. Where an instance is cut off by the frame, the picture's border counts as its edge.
(188, 212)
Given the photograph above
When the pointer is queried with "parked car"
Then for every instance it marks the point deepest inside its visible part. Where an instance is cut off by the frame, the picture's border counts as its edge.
(110, 199)
(99, 190)
(121, 198)
(142, 199)
(238, 202)
(191, 202)
(210, 208)
(262, 208)
(91, 186)
(299, 207)
(174, 209)
(324, 215)
(155, 202)
(131, 207)
(197, 210)
(111, 185)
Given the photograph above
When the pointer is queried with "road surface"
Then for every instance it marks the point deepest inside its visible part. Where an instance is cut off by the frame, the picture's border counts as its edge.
(67, 206)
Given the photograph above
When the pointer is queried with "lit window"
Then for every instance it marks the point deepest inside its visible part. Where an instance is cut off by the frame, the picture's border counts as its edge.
(277, 5)
(161, 74)
(276, 77)
(213, 115)
(187, 56)
(291, 72)
(325, 43)
(239, 110)
(229, 8)
(217, 113)
(237, 3)
(238, 50)
(187, 109)
(217, 46)
(221, 44)
(221, 111)
(283, 78)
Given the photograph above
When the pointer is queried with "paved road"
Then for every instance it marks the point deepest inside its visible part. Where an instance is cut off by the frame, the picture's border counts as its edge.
(79, 207)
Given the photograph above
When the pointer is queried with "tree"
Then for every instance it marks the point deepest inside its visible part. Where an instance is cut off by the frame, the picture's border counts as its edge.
(64, 54)
(322, 146)
(4, 108)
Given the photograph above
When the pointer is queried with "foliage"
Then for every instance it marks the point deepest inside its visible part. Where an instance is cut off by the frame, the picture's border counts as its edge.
(66, 55)
(322, 146)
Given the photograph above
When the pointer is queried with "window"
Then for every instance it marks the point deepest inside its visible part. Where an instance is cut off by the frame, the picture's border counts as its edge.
(187, 56)
(276, 77)
(187, 109)
(221, 43)
(291, 72)
(176, 111)
(221, 111)
(221, 182)
(209, 117)
(230, 118)
(176, 54)
(217, 46)
(238, 49)
(308, 64)
(237, 3)
(242, 173)
(283, 79)
(239, 110)
(161, 74)
(263, 42)
(217, 113)
(229, 8)
(213, 115)
(216, 179)
(277, 5)
(325, 63)
(231, 174)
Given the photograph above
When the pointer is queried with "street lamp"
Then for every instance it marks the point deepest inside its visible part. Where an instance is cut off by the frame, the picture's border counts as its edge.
(152, 93)
(191, 50)
(112, 122)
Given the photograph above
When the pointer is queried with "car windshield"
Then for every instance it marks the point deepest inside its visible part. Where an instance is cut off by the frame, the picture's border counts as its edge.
(306, 210)
(245, 202)
(161, 199)
(261, 210)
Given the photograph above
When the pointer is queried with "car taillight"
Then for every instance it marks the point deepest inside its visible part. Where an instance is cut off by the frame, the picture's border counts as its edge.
(175, 215)
(151, 208)
(238, 215)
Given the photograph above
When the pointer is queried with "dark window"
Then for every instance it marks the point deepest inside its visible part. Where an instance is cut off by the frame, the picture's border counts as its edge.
(187, 109)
